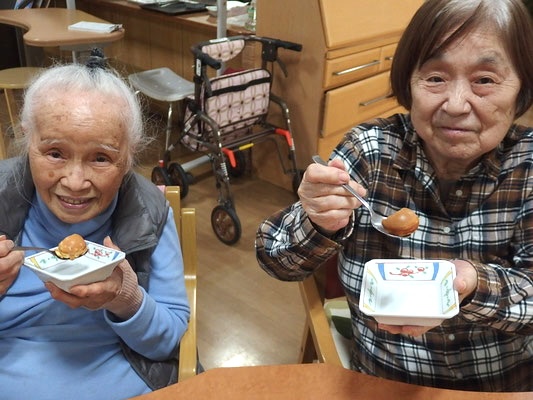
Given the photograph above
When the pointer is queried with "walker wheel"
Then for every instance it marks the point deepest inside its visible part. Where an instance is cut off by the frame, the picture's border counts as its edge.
(160, 176)
(226, 224)
(179, 177)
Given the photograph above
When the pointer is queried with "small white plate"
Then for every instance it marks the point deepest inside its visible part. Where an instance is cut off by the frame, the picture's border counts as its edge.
(94, 266)
(409, 292)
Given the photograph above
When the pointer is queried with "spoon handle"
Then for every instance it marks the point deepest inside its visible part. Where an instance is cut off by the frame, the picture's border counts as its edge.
(23, 248)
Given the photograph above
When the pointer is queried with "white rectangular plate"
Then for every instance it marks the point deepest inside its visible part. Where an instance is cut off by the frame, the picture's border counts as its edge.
(409, 292)
(94, 266)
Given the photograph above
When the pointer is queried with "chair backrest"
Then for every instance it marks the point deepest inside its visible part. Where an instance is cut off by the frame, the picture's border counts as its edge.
(318, 342)
(33, 4)
(185, 219)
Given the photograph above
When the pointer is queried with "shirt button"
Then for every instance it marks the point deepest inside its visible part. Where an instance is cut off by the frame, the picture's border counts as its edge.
(459, 375)
(451, 336)
(459, 193)
(447, 229)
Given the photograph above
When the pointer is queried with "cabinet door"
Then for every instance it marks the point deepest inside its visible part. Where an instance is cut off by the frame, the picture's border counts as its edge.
(351, 21)
(355, 103)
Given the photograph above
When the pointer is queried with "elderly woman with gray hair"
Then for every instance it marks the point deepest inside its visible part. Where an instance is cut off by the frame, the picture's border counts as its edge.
(112, 339)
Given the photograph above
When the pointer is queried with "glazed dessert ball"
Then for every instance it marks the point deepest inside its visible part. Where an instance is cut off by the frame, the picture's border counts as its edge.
(71, 247)
(402, 223)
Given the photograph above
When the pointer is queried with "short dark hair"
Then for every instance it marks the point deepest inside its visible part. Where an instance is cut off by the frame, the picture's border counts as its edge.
(439, 23)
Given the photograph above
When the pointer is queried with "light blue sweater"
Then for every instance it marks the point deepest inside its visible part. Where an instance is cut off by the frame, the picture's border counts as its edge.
(50, 351)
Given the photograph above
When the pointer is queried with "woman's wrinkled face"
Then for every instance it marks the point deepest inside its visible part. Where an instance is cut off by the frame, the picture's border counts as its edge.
(464, 101)
(78, 154)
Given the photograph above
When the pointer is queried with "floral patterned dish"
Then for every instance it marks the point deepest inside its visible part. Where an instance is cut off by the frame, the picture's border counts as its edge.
(95, 265)
(409, 292)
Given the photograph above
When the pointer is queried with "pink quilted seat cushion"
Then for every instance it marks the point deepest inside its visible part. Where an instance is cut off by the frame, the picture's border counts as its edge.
(238, 101)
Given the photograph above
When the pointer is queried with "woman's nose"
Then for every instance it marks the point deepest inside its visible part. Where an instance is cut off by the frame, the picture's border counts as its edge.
(75, 178)
(458, 98)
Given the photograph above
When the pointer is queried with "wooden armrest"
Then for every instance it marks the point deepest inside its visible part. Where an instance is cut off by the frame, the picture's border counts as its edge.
(188, 345)
(318, 323)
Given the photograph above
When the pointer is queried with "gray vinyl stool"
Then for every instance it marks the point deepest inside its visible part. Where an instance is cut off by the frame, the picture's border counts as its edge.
(164, 85)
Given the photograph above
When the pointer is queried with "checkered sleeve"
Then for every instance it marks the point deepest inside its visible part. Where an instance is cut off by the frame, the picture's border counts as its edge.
(288, 247)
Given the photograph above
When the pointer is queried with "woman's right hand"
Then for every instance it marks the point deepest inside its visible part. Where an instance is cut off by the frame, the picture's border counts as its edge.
(326, 202)
(10, 263)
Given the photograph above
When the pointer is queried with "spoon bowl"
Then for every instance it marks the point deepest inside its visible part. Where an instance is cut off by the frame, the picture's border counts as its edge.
(375, 219)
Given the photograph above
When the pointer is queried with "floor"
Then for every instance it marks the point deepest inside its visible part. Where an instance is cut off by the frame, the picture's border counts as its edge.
(245, 317)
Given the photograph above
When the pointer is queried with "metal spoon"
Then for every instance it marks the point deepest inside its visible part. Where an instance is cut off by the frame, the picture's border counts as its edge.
(375, 219)
(24, 248)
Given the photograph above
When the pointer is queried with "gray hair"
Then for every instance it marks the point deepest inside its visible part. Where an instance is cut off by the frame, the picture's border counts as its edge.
(78, 77)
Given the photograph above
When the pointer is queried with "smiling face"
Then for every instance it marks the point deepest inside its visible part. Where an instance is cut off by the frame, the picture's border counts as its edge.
(464, 102)
(78, 154)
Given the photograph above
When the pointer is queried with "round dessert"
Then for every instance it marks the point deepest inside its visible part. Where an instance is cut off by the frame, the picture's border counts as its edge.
(71, 247)
(402, 223)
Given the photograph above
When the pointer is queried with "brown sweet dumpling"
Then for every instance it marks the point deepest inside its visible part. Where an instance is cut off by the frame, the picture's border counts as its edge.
(71, 247)
(402, 223)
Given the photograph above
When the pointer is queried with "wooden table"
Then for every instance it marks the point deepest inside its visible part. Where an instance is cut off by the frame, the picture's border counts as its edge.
(48, 27)
(309, 382)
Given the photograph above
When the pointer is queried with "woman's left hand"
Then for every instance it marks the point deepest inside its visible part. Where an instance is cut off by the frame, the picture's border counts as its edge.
(92, 296)
(465, 283)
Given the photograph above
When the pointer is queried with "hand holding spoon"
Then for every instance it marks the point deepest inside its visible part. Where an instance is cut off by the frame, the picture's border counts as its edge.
(400, 224)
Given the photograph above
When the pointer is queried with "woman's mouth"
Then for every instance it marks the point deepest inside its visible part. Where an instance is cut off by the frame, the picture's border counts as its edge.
(73, 202)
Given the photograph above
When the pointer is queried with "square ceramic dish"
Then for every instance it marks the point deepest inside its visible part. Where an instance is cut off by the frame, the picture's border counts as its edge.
(95, 265)
(409, 292)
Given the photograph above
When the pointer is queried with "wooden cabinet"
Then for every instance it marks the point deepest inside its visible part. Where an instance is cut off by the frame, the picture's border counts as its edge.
(341, 77)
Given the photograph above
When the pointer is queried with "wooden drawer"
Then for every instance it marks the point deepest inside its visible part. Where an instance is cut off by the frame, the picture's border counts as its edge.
(355, 103)
(327, 144)
(352, 68)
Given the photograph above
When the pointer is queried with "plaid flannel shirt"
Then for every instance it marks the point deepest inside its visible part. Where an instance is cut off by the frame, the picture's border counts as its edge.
(487, 218)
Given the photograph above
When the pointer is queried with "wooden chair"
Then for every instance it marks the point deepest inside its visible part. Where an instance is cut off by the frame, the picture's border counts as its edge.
(16, 78)
(320, 342)
(185, 219)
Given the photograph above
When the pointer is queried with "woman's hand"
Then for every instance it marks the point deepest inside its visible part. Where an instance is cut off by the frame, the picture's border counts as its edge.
(10, 263)
(92, 296)
(465, 283)
(326, 202)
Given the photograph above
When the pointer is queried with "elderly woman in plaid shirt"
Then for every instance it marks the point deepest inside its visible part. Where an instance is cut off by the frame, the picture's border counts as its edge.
(464, 70)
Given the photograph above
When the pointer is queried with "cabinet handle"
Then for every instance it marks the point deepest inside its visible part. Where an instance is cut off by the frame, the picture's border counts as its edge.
(375, 100)
(389, 58)
(353, 69)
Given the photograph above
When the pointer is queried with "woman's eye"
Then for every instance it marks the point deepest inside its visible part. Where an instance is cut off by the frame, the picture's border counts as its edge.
(101, 158)
(434, 79)
(485, 80)
(54, 154)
